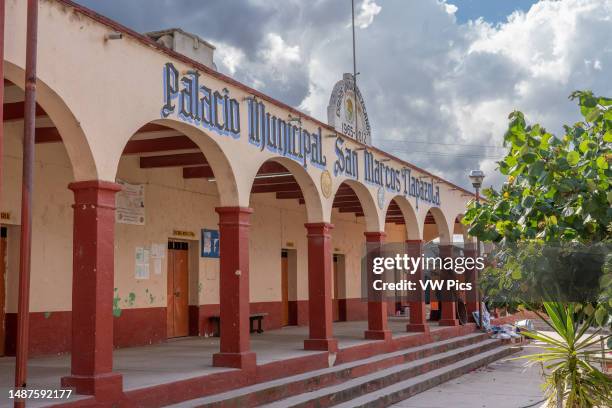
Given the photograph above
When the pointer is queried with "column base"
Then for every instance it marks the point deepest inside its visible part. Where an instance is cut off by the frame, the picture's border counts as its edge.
(330, 345)
(107, 385)
(247, 360)
(378, 334)
(448, 322)
(417, 327)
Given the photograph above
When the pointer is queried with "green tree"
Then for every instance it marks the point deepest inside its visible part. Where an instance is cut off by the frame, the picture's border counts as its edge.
(557, 192)
(552, 223)
(558, 189)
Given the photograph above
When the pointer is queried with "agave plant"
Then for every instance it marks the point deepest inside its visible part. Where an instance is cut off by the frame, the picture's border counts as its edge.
(571, 381)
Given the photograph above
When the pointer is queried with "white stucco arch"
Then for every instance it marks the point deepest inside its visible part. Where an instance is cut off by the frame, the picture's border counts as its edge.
(312, 196)
(372, 214)
(413, 227)
(463, 230)
(444, 232)
(68, 126)
(221, 166)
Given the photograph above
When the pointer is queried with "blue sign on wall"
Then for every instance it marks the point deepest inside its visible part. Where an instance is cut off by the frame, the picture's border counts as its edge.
(210, 243)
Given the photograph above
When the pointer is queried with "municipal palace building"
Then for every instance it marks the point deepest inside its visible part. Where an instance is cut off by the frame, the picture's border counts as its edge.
(177, 210)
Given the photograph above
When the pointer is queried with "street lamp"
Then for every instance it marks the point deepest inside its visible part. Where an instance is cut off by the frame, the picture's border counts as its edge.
(476, 177)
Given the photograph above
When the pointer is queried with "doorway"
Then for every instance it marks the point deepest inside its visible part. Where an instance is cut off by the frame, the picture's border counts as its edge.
(178, 289)
(339, 292)
(284, 288)
(3, 235)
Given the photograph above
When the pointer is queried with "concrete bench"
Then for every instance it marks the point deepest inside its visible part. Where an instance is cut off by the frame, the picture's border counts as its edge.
(215, 321)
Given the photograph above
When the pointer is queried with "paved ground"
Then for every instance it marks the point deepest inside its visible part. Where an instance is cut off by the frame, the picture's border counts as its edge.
(502, 384)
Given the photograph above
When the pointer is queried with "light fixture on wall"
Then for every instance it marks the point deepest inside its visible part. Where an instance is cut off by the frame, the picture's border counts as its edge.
(115, 35)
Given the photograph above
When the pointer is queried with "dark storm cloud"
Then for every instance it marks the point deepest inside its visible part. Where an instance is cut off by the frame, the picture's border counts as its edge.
(209, 19)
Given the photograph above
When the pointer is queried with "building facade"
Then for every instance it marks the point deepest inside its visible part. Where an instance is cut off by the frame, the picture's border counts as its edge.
(166, 194)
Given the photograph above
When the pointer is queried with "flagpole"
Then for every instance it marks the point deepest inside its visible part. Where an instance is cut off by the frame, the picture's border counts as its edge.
(354, 69)
(23, 299)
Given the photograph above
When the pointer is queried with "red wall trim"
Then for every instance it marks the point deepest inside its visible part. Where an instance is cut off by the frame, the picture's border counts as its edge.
(298, 312)
(49, 333)
(139, 327)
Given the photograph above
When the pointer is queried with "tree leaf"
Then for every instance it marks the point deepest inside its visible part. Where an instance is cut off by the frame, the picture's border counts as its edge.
(573, 158)
(601, 315)
(528, 201)
(529, 157)
(602, 163)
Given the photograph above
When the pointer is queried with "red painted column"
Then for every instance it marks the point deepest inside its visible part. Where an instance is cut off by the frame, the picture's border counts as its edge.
(472, 277)
(449, 308)
(235, 350)
(418, 321)
(320, 336)
(92, 290)
(378, 327)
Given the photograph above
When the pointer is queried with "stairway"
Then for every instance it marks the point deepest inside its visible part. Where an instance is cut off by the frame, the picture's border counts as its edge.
(377, 381)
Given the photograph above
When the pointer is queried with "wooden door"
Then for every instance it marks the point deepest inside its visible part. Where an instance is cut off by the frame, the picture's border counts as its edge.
(335, 297)
(178, 289)
(284, 289)
(2, 289)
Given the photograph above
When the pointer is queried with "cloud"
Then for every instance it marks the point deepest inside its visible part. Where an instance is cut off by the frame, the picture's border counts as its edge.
(438, 92)
(368, 10)
(228, 56)
(276, 51)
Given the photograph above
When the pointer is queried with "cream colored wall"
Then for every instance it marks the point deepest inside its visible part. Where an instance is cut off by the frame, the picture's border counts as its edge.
(51, 223)
(171, 203)
(348, 239)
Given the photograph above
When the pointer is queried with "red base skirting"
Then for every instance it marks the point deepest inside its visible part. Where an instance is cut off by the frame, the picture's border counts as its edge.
(49, 333)
(139, 327)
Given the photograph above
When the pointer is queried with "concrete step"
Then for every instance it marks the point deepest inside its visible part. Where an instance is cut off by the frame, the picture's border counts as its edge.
(354, 388)
(402, 390)
(271, 391)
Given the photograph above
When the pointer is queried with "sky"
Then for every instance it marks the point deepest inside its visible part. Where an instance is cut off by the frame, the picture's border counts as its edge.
(439, 77)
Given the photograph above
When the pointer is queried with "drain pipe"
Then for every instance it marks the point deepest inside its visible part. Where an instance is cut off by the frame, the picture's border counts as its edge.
(25, 248)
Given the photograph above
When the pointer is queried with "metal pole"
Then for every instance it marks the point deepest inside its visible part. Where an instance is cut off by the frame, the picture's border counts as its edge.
(354, 70)
(1, 97)
(26, 199)
(476, 270)
(1, 103)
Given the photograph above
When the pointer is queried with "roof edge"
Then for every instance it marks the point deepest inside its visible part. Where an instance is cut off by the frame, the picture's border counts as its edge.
(180, 57)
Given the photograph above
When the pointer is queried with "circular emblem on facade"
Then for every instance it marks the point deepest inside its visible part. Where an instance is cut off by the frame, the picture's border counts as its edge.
(349, 109)
(326, 184)
(381, 198)
(346, 111)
